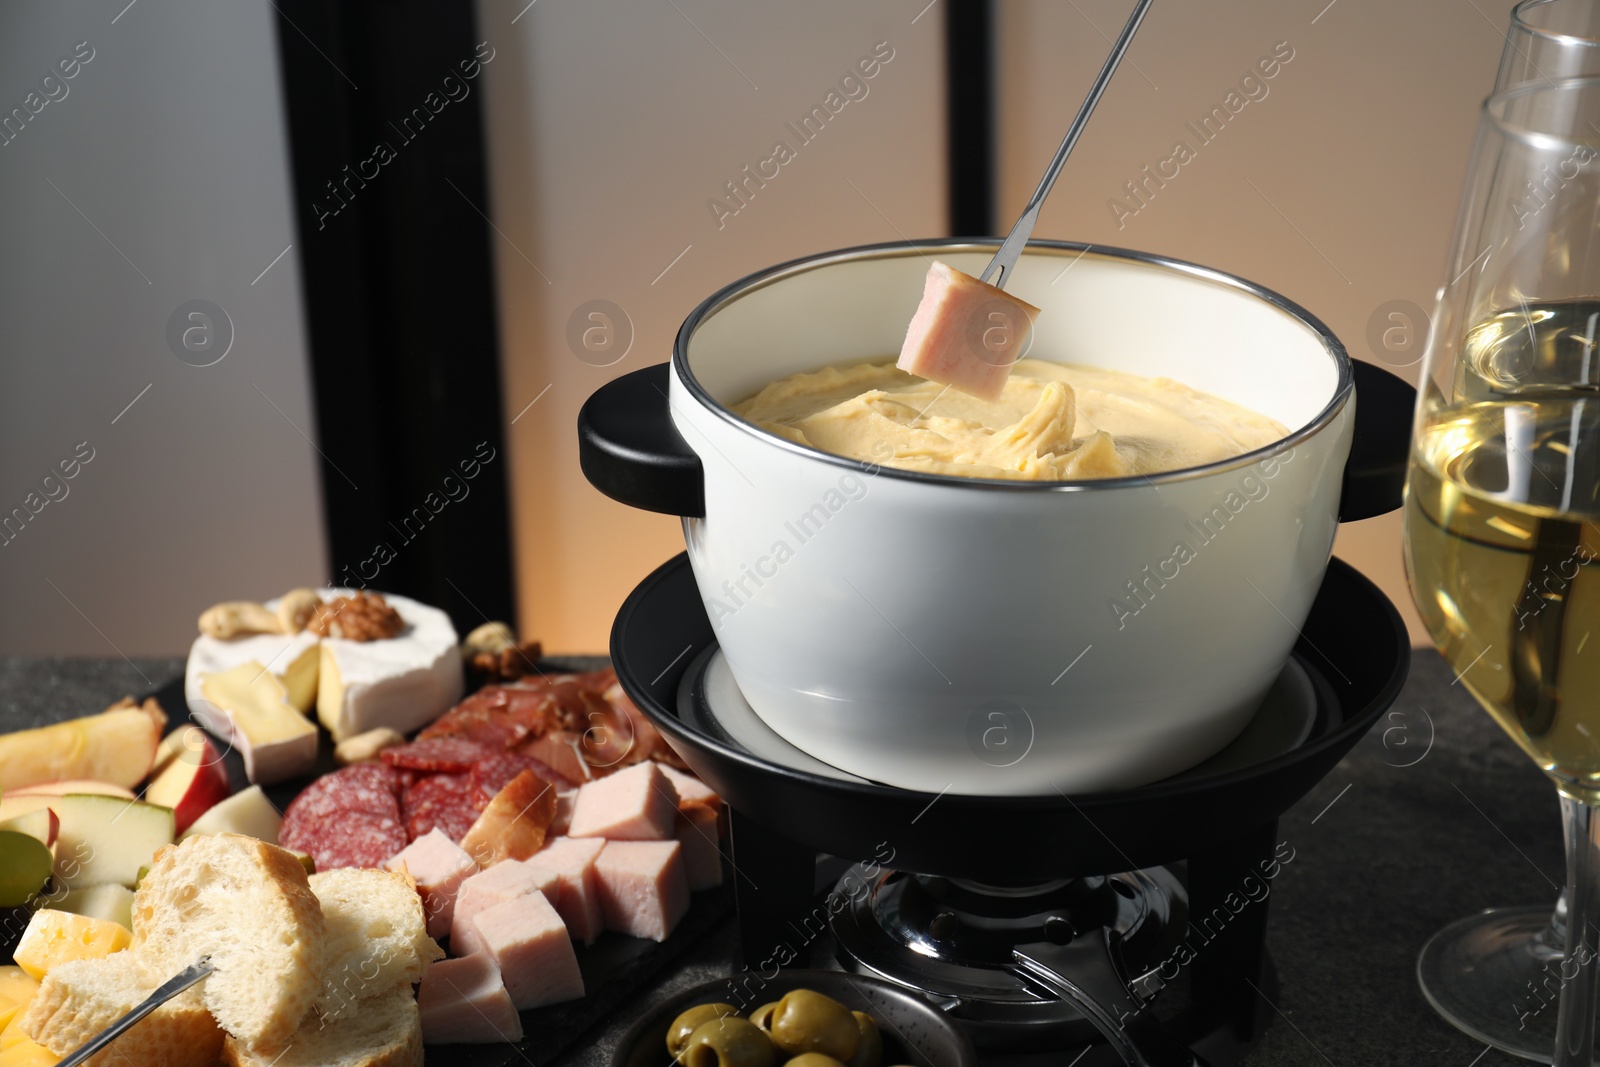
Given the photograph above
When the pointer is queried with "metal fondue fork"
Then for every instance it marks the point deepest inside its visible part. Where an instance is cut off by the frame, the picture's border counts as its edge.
(165, 992)
(1005, 259)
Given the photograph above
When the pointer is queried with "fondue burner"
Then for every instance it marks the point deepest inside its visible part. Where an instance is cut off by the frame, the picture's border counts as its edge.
(954, 941)
(1125, 926)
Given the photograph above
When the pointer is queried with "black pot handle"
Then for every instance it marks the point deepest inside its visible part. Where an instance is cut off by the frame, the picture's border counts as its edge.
(630, 451)
(1375, 474)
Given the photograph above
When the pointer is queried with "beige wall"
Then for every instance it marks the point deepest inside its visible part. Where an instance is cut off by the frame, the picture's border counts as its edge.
(1338, 188)
(611, 123)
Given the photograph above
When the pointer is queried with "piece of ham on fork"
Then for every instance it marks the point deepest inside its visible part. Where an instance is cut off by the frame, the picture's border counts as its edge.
(966, 334)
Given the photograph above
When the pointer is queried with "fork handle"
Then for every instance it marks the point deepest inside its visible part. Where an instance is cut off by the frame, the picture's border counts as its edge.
(1006, 258)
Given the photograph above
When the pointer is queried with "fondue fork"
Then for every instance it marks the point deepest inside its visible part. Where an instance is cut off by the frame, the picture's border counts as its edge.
(999, 268)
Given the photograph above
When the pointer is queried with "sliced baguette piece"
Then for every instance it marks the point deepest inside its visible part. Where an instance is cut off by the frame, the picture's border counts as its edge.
(79, 998)
(386, 1032)
(248, 906)
(377, 938)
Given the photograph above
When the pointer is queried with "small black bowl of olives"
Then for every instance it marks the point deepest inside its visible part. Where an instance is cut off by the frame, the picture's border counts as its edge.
(796, 1019)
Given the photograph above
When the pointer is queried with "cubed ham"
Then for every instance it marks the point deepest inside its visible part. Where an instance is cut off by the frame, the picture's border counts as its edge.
(697, 833)
(966, 334)
(529, 941)
(439, 866)
(643, 888)
(577, 897)
(562, 820)
(497, 885)
(691, 790)
(464, 1001)
(637, 804)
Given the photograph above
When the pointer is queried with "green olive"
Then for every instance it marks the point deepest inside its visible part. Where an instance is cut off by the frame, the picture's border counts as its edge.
(686, 1024)
(762, 1016)
(807, 1021)
(813, 1059)
(728, 1042)
(869, 1053)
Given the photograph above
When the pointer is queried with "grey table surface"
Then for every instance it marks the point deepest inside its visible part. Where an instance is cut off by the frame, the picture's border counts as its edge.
(1434, 815)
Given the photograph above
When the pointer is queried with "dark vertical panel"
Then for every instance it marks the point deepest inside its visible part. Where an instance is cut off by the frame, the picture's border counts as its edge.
(389, 178)
(970, 88)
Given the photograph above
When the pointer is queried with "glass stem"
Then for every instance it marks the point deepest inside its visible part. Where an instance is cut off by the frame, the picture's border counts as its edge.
(1575, 1029)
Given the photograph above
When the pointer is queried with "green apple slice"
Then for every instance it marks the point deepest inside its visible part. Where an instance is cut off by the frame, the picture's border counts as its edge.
(24, 868)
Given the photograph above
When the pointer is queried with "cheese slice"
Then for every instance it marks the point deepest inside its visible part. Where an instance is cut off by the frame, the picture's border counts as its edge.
(276, 740)
(300, 679)
(292, 657)
(402, 682)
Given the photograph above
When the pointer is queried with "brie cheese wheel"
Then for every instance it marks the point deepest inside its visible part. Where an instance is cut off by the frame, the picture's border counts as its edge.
(402, 682)
(276, 739)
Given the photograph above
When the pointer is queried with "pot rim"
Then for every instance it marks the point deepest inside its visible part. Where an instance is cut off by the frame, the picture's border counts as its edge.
(728, 294)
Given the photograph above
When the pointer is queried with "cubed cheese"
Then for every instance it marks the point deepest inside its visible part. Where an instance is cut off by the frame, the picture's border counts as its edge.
(966, 334)
(636, 804)
(643, 888)
(528, 940)
(464, 1001)
(577, 896)
(53, 937)
(501, 883)
(439, 866)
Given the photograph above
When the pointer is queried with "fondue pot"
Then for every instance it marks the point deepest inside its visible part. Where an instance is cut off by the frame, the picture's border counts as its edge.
(993, 637)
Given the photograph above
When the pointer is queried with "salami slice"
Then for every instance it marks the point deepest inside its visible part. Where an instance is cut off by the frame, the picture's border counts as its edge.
(350, 818)
(446, 755)
(492, 773)
(444, 801)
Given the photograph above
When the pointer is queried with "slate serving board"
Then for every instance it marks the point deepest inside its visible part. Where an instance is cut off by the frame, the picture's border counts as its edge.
(614, 967)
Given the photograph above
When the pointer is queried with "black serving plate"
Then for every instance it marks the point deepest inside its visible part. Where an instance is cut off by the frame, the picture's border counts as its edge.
(613, 968)
(1354, 645)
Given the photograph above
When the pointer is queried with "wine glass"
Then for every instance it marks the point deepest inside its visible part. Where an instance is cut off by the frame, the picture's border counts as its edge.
(1550, 41)
(1502, 515)
(1473, 969)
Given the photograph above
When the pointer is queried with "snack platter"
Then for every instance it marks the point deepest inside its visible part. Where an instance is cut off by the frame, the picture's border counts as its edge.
(610, 964)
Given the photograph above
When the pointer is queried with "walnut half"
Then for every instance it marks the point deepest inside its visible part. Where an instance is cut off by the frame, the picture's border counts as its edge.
(362, 616)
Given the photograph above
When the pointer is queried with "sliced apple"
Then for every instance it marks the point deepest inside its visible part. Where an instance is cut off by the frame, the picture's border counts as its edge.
(24, 868)
(116, 746)
(107, 839)
(193, 780)
(41, 824)
(110, 902)
(74, 785)
(247, 812)
(15, 804)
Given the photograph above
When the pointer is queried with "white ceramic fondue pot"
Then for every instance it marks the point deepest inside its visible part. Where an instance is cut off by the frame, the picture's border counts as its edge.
(995, 637)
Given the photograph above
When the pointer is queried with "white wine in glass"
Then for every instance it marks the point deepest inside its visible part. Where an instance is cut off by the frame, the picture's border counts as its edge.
(1502, 517)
